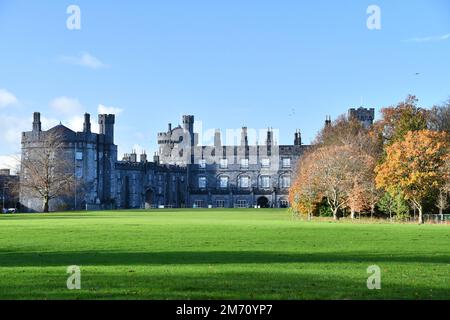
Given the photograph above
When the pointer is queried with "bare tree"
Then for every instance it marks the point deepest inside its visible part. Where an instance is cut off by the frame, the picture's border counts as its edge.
(439, 117)
(47, 170)
(339, 172)
(442, 201)
(350, 132)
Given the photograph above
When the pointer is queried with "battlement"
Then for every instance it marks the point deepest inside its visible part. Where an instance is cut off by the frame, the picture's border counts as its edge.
(107, 118)
(188, 123)
(106, 123)
(364, 115)
(188, 119)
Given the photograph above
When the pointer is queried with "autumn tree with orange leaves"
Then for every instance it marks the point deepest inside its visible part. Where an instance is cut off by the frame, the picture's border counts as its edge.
(305, 195)
(397, 121)
(415, 166)
(334, 173)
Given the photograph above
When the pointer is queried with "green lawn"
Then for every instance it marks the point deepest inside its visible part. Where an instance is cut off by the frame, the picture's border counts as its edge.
(218, 254)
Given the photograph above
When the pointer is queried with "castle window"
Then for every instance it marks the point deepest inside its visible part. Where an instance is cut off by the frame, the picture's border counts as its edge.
(79, 173)
(265, 163)
(264, 182)
(202, 182)
(79, 156)
(241, 204)
(286, 162)
(223, 163)
(284, 204)
(244, 182)
(199, 204)
(202, 164)
(285, 182)
(220, 203)
(223, 182)
(244, 163)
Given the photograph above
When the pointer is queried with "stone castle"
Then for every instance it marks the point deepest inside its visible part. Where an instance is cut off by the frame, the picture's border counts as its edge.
(181, 174)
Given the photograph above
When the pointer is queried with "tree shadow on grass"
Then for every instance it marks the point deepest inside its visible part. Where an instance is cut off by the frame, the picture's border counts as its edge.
(106, 258)
(148, 284)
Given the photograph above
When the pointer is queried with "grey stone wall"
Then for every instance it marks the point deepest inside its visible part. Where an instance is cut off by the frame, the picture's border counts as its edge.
(205, 162)
(92, 158)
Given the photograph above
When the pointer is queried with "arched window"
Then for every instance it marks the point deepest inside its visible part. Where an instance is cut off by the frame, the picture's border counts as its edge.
(285, 181)
(202, 182)
(284, 203)
(223, 182)
(264, 182)
(244, 182)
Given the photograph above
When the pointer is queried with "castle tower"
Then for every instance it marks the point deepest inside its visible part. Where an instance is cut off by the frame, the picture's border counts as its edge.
(106, 122)
(363, 115)
(188, 124)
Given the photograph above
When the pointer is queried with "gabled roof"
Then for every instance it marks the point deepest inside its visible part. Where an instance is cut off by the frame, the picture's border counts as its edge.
(62, 132)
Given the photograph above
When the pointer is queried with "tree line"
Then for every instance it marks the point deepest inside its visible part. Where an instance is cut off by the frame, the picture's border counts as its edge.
(399, 164)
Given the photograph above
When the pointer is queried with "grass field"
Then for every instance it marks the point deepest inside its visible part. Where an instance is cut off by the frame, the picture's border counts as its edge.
(218, 254)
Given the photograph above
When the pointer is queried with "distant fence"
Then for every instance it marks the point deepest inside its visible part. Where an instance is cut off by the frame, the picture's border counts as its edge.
(436, 218)
(155, 206)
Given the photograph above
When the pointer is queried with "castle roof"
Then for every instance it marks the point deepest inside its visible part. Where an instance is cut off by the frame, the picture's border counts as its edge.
(62, 132)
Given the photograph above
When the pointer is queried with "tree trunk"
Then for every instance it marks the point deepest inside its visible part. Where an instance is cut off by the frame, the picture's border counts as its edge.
(352, 214)
(46, 206)
(420, 215)
(335, 214)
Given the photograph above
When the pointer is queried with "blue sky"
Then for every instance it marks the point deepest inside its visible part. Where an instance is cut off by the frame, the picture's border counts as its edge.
(284, 64)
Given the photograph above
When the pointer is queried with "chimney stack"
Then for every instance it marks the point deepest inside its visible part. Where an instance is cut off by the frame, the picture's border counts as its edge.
(143, 157)
(217, 138)
(133, 157)
(298, 138)
(156, 159)
(244, 137)
(37, 127)
(269, 140)
(87, 123)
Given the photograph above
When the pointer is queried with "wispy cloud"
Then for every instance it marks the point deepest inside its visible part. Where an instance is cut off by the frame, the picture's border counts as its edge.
(10, 162)
(12, 126)
(108, 110)
(430, 39)
(7, 98)
(84, 59)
